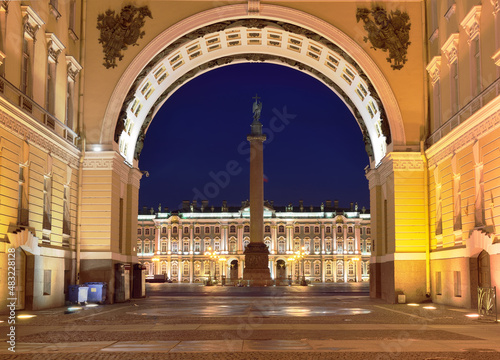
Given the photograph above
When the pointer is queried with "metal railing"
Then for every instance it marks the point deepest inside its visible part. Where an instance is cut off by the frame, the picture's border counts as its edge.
(24, 103)
(487, 302)
(465, 112)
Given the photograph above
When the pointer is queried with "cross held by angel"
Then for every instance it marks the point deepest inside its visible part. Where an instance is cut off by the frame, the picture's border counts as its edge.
(257, 108)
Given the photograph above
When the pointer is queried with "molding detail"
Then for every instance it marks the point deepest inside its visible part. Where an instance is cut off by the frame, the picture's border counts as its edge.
(450, 12)
(434, 69)
(253, 7)
(73, 67)
(450, 48)
(471, 23)
(38, 138)
(392, 162)
(496, 6)
(54, 47)
(472, 129)
(31, 21)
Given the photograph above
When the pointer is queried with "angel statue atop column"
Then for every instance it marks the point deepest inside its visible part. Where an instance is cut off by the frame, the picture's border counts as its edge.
(257, 108)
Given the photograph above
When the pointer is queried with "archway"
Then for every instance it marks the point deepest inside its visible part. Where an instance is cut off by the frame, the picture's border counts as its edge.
(233, 270)
(280, 270)
(229, 35)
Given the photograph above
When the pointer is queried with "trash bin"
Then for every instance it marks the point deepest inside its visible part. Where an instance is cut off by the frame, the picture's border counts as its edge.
(139, 281)
(78, 294)
(97, 292)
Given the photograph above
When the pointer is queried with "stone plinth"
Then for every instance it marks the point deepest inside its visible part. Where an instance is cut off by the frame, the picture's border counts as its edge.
(257, 264)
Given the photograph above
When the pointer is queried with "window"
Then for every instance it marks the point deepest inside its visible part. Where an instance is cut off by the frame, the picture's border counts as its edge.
(146, 247)
(207, 229)
(340, 268)
(163, 246)
(174, 230)
(206, 266)
(185, 271)
(146, 232)
(186, 230)
(328, 230)
(340, 245)
(281, 246)
(232, 229)
(196, 246)
(47, 285)
(316, 229)
(307, 268)
(139, 231)
(50, 86)
(163, 230)
(207, 245)
(307, 246)
(328, 269)
(476, 64)
(438, 283)
(328, 245)
(368, 246)
(267, 229)
(317, 269)
(139, 247)
(186, 246)
(316, 246)
(351, 268)
(197, 269)
(217, 230)
(22, 203)
(26, 86)
(454, 87)
(232, 246)
(197, 230)
(368, 231)
(163, 267)
(339, 229)
(457, 284)
(246, 228)
(216, 246)
(297, 229)
(245, 243)
(306, 229)
(47, 202)
(296, 245)
(175, 247)
(281, 229)
(349, 229)
(175, 269)
(66, 211)
(350, 245)
(268, 243)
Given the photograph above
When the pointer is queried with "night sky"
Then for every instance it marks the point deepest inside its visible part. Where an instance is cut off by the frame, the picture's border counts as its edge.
(196, 148)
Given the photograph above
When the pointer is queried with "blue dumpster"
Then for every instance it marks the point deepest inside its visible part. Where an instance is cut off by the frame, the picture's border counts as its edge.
(97, 292)
(78, 294)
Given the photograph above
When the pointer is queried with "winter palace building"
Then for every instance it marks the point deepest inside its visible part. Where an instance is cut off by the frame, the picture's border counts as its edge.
(337, 242)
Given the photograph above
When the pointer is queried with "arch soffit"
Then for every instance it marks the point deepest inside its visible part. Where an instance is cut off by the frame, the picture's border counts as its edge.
(133, 83)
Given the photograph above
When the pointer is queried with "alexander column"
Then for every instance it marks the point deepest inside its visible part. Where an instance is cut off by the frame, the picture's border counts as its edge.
(256, 253)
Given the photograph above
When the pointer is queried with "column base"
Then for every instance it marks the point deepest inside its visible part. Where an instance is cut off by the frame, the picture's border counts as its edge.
(257, 264)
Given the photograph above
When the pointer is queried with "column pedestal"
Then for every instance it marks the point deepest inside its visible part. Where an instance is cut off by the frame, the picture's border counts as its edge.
(257, 264)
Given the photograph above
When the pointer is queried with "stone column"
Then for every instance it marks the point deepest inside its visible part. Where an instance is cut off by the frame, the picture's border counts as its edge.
(256, 253)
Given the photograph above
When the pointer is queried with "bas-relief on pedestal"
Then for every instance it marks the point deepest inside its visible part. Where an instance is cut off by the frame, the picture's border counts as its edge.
(257, 264)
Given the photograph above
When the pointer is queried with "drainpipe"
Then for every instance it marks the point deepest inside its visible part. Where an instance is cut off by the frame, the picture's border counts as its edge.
(82, 135)
(427, 227)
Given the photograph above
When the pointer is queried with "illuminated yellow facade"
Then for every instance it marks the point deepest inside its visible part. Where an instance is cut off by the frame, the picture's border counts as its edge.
(74, 115)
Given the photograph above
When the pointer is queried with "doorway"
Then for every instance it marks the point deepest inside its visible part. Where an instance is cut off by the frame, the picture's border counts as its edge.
(233, 274)
(280, 270)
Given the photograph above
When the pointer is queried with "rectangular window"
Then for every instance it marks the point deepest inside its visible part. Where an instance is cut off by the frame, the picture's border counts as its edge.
(163, 246)
(66, 211)
(50, 89)
(22, 205)
(436, 99)
(146, 231)
(477, 66)
(197, 246)
(26, 66)
(457, 284)
(186, 247)
(72, 16)
(47, 274)
(175, 248)
(438, 283)
(47, 202)
(454, 87)
(146, 247)
(139, 231)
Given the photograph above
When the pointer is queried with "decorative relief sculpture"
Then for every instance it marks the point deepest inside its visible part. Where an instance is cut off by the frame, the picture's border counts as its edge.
(119, 31)
(387, 32)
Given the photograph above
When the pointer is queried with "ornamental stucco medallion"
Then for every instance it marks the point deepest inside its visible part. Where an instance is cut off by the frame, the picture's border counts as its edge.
(120, 31)
(390, 33)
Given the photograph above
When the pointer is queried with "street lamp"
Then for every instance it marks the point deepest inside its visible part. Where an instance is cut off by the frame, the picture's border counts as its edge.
(211, 255)
(299, 255)
(222, 260)
(291, 259)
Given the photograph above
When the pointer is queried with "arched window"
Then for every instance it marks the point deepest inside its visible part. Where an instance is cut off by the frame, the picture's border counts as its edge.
(317, 269)
(175, 247)
(368, 231)
(206, 265)
(163, 230)
(350, 245)
(316, 229)
(307, 246)
(232, 229)
(217, 230)
(281, 246)
(146, 231)
(281, 229)
(186, 230)
(296, 245)
(186, 246)
(297, 229)
(339, 229)
(163, 267)
(328, 245)
(197, 246)
(197, 269)
(232, 246)
(246, 228)
(245, 243)
(340, 245)
(207, 229)
(174, 230)
(139, 247)
(164, 246)
(197, 230)
(328, 269)
(185, 271)
(307, 268)
(146, 247)
(148, 268)
(175, 269)
(368, 245)
(207, 245)
(349, 229)
(267, 229)
(216, 246)
(317, 246)
(139, 231)
(328, 230)
(351, 268)
(340, 268)
(306, 229)
(268, 244)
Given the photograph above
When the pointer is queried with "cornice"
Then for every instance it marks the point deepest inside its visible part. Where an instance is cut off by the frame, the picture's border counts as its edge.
(471, 23)
(434, 69)
(450, 48)
(35, 133)
(479, 124)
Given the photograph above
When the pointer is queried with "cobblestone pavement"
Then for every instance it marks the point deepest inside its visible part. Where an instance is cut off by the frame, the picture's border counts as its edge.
(180, 321)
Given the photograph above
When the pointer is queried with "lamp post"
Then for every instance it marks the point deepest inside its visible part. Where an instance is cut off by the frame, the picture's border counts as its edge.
(299, 255)
(355, 260)
(222, 260)
(291, 259)
(211, 255)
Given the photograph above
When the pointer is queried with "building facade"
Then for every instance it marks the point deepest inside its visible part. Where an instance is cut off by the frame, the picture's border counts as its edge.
(72, 125)
(337, 243)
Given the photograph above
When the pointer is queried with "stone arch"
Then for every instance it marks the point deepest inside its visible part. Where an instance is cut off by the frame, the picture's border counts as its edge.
(185, 51)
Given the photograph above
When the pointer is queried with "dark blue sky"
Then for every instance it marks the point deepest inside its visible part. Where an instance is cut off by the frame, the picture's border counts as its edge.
(196, 145)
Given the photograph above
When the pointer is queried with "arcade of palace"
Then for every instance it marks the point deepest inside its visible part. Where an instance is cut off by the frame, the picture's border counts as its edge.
(421, 77)
(338, 247)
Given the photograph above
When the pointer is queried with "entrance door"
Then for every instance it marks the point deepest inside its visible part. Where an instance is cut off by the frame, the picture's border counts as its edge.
(483, 263)
(280, 270)
(233, 275)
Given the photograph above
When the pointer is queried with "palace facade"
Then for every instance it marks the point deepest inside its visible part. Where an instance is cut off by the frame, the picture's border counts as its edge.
(337, 242)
